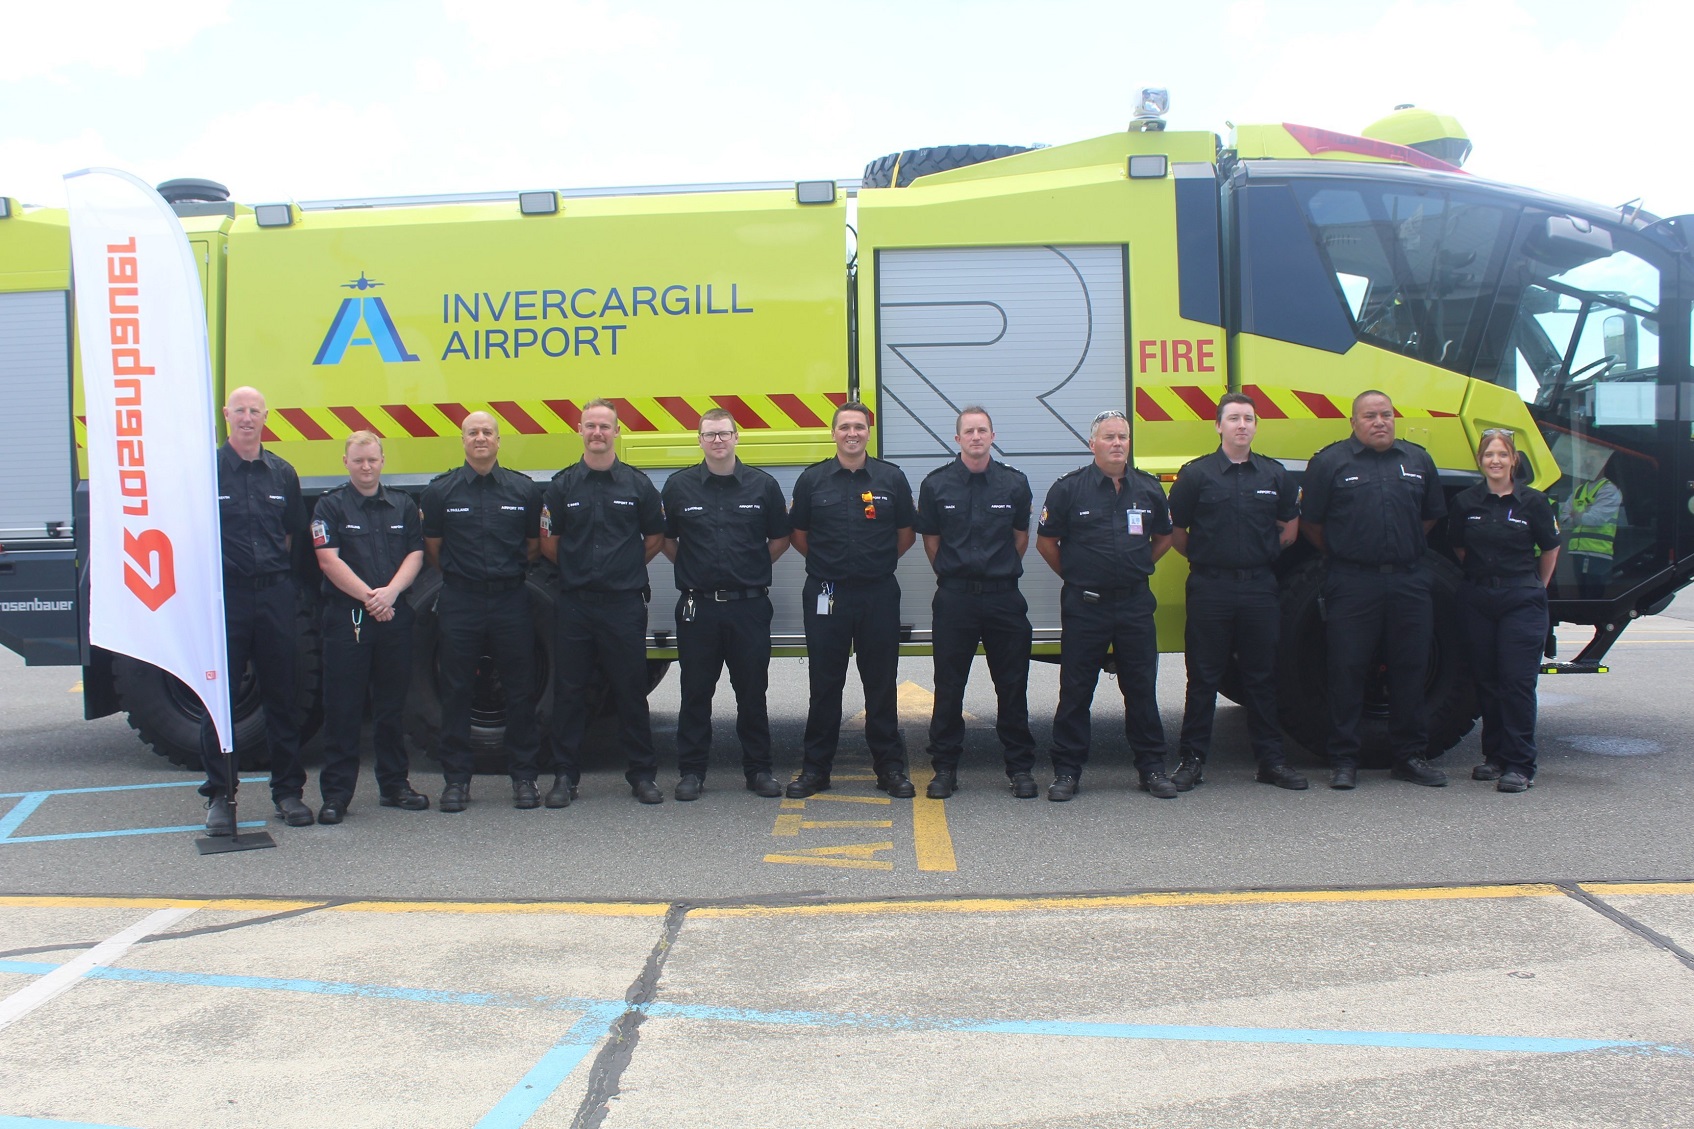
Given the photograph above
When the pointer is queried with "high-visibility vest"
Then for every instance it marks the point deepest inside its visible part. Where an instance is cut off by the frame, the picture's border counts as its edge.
(1585, 537)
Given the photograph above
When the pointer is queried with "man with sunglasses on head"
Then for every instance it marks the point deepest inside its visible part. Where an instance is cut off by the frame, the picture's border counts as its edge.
(852, 519)
(1103, 528)
(725, 524)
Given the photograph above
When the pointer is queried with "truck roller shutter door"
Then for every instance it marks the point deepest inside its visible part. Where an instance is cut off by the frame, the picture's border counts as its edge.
(36, 475)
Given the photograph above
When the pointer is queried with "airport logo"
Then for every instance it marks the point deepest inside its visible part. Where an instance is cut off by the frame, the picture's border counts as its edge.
(362, 321)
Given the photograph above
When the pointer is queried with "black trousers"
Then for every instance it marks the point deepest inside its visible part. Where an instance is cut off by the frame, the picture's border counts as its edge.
(380, 661)
(1362, 611)
(999, 621)
(1504, 630)
(1240, 618)
(865, 619)
(499, 625)
(259, 628)
(1592, 575)
(1122, 621)
(736, 634)
(608, 628)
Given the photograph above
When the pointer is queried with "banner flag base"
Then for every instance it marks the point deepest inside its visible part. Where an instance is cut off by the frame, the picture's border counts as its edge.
(223, 844)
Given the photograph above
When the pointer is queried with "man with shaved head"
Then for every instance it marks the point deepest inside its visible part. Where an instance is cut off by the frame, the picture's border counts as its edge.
(481, 528)
(260, 511)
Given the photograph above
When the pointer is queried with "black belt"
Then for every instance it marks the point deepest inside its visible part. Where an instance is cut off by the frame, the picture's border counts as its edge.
(1505, 581)
(724, 595)
(1359, 566)
(263, 580)
(1241, 574)
(482, 587)
(975, 587)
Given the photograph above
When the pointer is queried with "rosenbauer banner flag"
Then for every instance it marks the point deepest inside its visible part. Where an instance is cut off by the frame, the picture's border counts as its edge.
(155, 567)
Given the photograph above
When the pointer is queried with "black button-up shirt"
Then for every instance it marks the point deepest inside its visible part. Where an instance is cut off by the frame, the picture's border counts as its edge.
(1105, 534)
(1500, 532)
(1372, 504)
(259, 506)
(372, 535)
(601, 518)
(851, 536)
(723, 525)
(1231, 509)
(483, 521)
(975, 516)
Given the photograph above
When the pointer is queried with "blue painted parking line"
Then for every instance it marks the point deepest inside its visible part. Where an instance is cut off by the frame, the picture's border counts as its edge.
(547, 1075)
(28, 802)
(47, 1123)
(1404, 1040)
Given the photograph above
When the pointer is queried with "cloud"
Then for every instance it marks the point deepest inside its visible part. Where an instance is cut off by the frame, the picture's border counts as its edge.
(35, 169)
(108, 35)
(508, 32)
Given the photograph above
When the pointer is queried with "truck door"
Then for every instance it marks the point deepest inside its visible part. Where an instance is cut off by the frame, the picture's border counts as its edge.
(38, 565)
(1036, 335)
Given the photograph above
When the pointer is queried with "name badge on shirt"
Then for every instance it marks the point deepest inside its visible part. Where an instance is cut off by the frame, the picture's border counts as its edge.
(1136, 522)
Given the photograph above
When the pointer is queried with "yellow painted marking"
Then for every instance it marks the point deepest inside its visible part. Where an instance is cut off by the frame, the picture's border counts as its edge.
(853, 855)
(929, 831)
(852, 799)
(1136, 901)
(1624, 889)
(854, 776)
(914, 704)
(789, 804)
(76, 687)
(791, 825)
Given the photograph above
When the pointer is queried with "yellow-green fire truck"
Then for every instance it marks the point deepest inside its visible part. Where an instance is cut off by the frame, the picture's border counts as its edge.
(1150, 269)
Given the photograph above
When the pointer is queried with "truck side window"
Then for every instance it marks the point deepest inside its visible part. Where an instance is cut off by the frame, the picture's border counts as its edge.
(1415, 268)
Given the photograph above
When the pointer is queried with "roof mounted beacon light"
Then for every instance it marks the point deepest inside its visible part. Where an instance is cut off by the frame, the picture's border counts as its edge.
(1436, 135)
(1152, 103)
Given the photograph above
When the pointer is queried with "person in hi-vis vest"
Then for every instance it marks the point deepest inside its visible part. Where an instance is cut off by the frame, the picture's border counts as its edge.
(1589, 518)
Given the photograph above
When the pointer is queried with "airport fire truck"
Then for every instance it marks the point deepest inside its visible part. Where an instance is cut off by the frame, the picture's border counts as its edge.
(1149, 269)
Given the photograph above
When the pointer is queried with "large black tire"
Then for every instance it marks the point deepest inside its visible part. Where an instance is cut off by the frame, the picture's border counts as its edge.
(1302, 682)
(166, 714)
(913, 163)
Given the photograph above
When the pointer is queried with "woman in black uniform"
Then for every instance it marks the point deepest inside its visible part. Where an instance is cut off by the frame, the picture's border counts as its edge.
(1497, 527)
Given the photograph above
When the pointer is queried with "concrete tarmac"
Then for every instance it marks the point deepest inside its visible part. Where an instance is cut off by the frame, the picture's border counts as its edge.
(1241, 955)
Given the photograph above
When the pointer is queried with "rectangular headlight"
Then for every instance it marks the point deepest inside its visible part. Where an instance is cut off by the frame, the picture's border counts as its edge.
(1149, 166)
(814, 191)
(273, 215)
(538, 203)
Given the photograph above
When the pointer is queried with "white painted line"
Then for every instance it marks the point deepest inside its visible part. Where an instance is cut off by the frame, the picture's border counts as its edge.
(26, 999)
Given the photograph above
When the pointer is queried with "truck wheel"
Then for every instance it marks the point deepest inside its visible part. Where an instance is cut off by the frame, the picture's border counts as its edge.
(1302, 690)
(166, 714)
(488, 698)
(914, 163)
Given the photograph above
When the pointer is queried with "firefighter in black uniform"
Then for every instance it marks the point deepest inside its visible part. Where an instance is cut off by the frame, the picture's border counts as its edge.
(601, 523)
(973, 514)
(1233, 512)
(1497, 527)
(369, 542)
(1369, 502)
(261, 511)
(481, 527)
(852, 519)
(726, 523)
(1102, 529)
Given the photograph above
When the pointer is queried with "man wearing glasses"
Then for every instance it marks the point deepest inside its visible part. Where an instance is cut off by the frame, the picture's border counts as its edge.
(725, 524)
(1370, 501)
(601, 523)
(852, 519)
(1102, 529)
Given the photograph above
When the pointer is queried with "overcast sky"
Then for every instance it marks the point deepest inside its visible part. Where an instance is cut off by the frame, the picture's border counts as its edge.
(334, 98)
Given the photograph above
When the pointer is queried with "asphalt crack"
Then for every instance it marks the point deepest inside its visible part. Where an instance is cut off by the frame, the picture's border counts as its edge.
(1612, 913)
(625, 1032)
